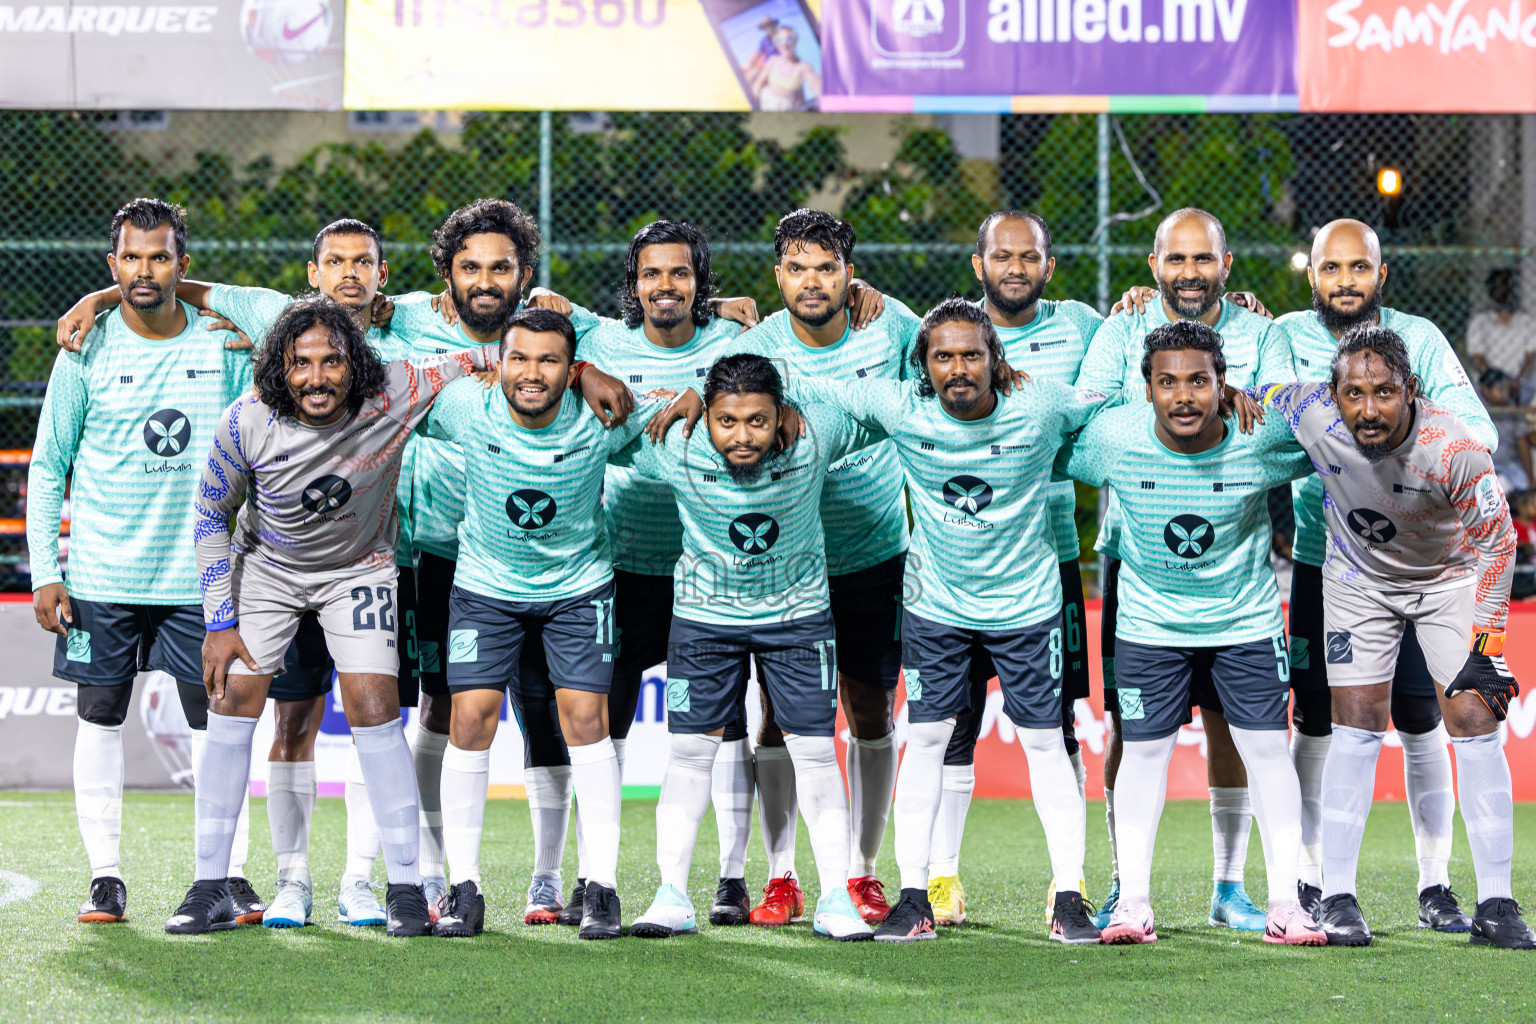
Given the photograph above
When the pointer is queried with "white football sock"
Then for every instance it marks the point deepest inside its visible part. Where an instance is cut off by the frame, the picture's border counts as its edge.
(427, 756)
(99, 794)
(1081, 771)
(684, 798)
(1488, 808)
(731, 794)
(919, 795)
(1308, 753)
(1349, 782)
(618, 753)
(1141, 786)
(871, 783)
(362, 833)
(549, 805)
(776, 807)
(819, 785)
(386, 761)
(1431, 802)
(1062, 812)
(242, 845)
(466, 776)
(595, 779)
(290, 809)
(949, 826)
(225, 775)
(1114, 848)
(1231, 822)
(1276, 805)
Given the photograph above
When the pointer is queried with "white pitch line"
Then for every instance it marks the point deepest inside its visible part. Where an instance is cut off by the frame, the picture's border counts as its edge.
(18, 887)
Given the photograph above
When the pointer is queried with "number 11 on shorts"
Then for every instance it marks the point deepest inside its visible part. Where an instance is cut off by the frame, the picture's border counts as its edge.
(827, 649)
(604, 608)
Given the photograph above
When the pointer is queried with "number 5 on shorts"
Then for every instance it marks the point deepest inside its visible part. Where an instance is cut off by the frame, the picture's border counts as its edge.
(1282, 657)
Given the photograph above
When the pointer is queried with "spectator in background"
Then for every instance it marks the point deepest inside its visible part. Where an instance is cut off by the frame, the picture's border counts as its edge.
(1512, 461)
(1504, 337)
(1522, 510)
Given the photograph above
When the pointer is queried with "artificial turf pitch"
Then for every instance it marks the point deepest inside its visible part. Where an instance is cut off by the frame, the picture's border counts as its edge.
(997, 967)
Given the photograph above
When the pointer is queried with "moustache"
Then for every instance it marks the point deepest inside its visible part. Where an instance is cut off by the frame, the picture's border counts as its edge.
(1370, 425)
(1350, 292)
(323, 389)
(1192, 282)
(959, 382)
(658, 296)
(147, 283)
(814, 294)
(747, 448)
(494, 293)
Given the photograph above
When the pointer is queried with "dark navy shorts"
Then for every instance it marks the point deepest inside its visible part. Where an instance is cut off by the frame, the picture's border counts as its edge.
(307, 667)
(1309, 667)
(1029, 661)
(434, 584)
(1154, 685)
(111, 643)
(797, 662)
(486, 636)
(1202, 692)
(866, 607)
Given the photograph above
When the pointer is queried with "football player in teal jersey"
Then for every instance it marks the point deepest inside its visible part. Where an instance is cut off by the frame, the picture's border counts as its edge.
(1347, 275)
(1189, 263)
(1045, 339)
(129, 414)
(1196, 589)
(982, 576)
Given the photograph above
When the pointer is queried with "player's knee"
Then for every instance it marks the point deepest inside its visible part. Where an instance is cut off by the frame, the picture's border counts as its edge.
(1362, 707)
(1313, 713)
(1415, 714)
(1466, 715)
(869, 709)
(769, 734)
(435, 714)
(106, 706)
(194, 704)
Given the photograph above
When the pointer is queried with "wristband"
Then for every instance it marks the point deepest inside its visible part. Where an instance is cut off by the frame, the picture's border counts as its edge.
(1488, 643)
(581, 366)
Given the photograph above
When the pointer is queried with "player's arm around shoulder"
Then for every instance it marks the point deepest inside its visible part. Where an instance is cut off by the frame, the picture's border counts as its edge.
(1064, 409)
(1280, 454)
(875, 403)
(453, 414)
(1090, 453)
(1104, 364)
(835, 433)
(1277, 363)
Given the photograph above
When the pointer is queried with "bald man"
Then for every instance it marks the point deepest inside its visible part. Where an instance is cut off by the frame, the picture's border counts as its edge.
(1347, 274)
(1189, 263)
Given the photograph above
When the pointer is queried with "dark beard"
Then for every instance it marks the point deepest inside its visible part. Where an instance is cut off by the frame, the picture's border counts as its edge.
(483, 323)
(1011, 307)
(744, 473)
(833, 309)
(1337, 322)
(146, 307)
(1171, 296)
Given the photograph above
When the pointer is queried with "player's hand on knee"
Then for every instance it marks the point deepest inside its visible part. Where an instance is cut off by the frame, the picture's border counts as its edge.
(1250, 302)
(687, 406)
(220, 647)
(1136, 297)
(865, 303)
(1489, 678)
(50, 605)
(1237, 403)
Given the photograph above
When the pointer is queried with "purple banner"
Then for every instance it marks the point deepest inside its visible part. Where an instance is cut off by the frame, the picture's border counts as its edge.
(1006, 48)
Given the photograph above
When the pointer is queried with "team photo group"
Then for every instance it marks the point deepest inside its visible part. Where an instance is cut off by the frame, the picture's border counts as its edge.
(438, 500)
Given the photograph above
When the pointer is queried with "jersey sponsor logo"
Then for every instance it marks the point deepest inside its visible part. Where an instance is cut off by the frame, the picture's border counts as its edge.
(1039, 346)
(754, 533)
(1189, 536)
(574, 451)
(530, 509)
(968, 494)
(195, 374)
(1008, 449)
(1405, 489)
(167, 432)
(1489, 498)
(1341, 650)
(1371, 525)
(1221, 486)
(864, 371)
(325, 495)
(463, 645)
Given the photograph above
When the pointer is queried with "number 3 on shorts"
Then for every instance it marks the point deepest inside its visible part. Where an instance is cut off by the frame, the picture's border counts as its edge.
(362, 600)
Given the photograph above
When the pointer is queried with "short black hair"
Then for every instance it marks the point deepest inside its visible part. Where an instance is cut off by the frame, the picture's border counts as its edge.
(540, 321)
(1180, 336)
(346, 226)
(486, 217)
(1383, 341)
(993, 218)
(668, 232)
(743, 374)
(816, 227)
(953, 310)
(276, 354)
(146, 214)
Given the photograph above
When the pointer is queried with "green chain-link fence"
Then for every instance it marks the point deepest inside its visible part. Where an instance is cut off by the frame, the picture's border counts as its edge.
(258, 186)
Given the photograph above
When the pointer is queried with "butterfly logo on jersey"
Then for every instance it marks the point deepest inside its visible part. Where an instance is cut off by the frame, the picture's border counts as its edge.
(754, 533)
(325, 495)
(1189, 536)
(167, 432)
(968, 494)
(530, 509)
(1371, 525)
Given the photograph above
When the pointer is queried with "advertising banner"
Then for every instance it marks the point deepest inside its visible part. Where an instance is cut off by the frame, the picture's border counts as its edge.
(583, 54)
(1059, 55)
(211, 55)
(1417, 57)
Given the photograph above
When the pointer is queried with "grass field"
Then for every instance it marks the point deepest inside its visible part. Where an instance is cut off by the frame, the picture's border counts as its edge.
(998, 967)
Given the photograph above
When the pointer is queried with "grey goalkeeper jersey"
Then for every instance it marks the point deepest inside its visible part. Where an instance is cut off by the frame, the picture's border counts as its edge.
(1430, 516)
(320, 498)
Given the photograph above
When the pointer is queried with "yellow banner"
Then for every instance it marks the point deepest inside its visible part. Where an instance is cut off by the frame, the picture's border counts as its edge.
(582, 55)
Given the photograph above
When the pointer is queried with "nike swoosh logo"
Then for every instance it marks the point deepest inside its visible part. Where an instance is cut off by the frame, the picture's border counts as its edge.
(294, 33)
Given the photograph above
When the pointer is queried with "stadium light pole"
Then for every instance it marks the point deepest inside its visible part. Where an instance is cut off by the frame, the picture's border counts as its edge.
(546, 154)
